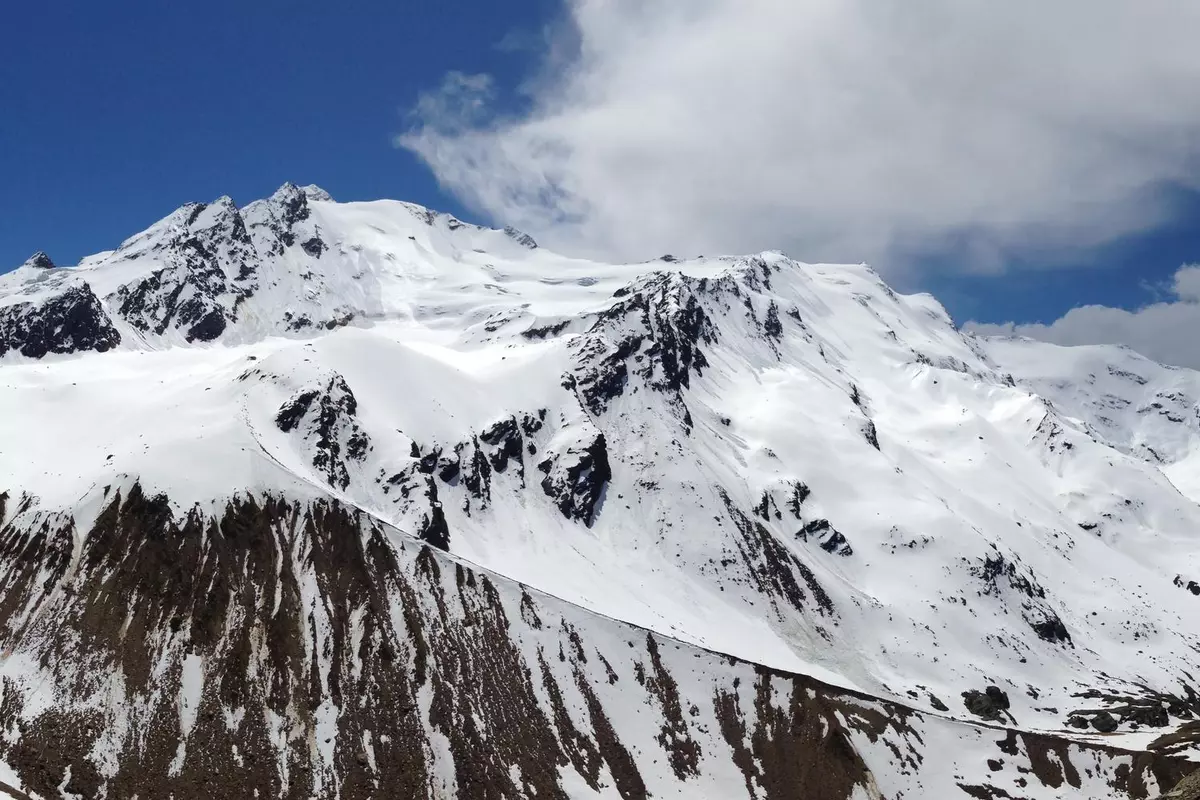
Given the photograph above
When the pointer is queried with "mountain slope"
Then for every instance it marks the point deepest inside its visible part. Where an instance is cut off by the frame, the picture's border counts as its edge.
(236, 447)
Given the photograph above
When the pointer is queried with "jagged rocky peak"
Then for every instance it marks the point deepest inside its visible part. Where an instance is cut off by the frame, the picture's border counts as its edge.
(312, 192)
(292, 203)
(221, 207)
(291, 196)
(39, 260)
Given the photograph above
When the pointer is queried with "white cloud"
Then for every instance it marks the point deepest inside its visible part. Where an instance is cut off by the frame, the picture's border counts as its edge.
(1186, 284)
(1165, 331)
(460, 103)
(836, 129)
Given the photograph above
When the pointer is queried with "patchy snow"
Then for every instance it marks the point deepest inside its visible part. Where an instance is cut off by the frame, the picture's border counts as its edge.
(10, 777)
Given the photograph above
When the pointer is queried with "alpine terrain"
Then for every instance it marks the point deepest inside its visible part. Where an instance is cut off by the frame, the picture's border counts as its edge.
(356, 500)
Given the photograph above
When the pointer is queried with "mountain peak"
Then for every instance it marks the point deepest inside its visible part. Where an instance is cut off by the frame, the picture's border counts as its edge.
(314, 192)
(39, 260)
(291, 192)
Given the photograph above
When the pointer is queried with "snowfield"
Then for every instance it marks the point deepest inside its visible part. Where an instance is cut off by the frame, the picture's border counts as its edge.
(697, 474)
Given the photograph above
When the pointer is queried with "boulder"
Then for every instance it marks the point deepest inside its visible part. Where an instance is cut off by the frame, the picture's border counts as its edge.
(989, 704)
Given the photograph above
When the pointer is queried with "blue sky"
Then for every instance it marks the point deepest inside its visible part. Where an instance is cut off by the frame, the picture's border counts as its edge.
(112, 115)
(1128, 273)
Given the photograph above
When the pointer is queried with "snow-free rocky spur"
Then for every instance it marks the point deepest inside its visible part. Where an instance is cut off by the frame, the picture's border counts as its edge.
(318, 499)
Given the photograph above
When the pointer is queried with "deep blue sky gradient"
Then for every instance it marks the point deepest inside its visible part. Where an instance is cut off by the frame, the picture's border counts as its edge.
(114, 114)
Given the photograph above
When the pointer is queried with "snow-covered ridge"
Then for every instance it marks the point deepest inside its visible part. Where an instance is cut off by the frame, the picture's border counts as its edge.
(785, 462)
(288, 265)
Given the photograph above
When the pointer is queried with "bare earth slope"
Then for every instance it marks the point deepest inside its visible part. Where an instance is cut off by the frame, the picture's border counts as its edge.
(357, 500)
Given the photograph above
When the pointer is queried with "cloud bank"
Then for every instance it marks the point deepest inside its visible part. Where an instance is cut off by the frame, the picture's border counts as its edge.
(1166, 331)
(839, 130)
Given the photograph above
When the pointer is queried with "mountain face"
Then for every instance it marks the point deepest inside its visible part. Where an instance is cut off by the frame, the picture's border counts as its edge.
(318, 499)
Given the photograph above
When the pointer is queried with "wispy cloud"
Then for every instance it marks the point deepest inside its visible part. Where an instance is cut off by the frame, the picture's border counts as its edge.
(836, 129)
(458, 105)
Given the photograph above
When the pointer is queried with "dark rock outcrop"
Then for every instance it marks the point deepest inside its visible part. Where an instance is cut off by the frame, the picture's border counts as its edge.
(828, 537)
(314, 246)
(1004, 576)
(523, 239)
(655, 332)
(990, 704)
(71, 321)
(1191, 586)
(577, 478)
(326, 419)
(166, 299)
(775, 571)
(1186, 789)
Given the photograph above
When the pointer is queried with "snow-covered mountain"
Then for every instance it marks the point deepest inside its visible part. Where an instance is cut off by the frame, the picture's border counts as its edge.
(358, 500)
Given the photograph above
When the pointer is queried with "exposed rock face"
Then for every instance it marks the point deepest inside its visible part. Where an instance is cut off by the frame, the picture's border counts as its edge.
(71, 322)
(830, 539)
(210, 265)
(39, 260)
(1191, 586)
(326, 418)
(990, 704)
(415, 492)
(196, 269)
(160, 302)
(1001, 577)
(1186, 789)
(659, 325)
(776, 572)
(523, 239)
(287, 650)
(577, 477)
